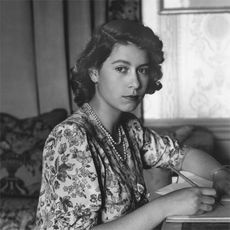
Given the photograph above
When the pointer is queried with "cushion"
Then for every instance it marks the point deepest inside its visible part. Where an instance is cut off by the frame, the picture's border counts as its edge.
(191, 135)
(181, 133)
(17, 213)
(21, 146)
(201, 138)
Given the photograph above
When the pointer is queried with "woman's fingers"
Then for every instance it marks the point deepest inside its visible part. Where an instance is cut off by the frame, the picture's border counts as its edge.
(208, 191)
(206, 207)
(208, 200)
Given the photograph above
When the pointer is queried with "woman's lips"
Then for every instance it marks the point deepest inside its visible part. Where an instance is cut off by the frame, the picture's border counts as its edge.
(132, 98)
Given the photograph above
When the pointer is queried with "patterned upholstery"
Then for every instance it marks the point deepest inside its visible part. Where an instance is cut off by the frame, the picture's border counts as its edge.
(17, 213)
(21, 147)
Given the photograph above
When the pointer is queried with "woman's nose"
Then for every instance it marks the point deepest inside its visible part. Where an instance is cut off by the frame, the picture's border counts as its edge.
(134, 80)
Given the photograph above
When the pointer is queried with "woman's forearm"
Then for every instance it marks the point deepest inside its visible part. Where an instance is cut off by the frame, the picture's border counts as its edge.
(146, 218)
(187, 201)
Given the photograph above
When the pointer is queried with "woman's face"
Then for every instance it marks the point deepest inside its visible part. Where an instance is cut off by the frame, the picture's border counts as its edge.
(122, 80)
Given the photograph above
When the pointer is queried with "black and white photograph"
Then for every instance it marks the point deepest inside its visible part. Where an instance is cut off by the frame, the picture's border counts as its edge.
(114, 115)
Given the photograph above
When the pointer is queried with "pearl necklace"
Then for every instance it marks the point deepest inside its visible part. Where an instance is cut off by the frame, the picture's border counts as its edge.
(107, 134)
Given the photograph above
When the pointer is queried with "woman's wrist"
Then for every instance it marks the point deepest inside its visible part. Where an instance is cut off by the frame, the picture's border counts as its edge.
(165, 209)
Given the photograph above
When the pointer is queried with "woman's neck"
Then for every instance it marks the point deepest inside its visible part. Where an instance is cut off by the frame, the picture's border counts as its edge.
(108, 116)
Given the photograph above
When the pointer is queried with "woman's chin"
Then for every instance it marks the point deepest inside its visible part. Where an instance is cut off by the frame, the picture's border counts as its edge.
(130, 107)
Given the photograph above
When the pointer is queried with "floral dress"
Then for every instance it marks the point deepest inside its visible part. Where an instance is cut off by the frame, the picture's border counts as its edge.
(84, 183)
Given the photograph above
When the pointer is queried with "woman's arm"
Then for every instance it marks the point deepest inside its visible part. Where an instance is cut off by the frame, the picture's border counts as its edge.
(186, 201)
(145, 218)
(200, 163)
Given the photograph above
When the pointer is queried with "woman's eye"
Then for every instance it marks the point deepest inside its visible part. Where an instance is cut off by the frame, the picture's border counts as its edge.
(144, 70)
(122, 69)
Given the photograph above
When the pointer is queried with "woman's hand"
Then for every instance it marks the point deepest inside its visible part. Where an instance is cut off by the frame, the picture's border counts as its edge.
(221, 181)
(189, 201)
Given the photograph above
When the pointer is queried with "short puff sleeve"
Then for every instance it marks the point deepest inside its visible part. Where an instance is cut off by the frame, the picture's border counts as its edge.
(155, 150)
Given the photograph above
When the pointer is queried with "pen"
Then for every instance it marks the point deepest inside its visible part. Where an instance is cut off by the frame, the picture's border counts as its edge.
(184, 177)
(188, 180)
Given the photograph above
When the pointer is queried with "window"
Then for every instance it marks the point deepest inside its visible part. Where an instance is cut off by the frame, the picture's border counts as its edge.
(196, 71)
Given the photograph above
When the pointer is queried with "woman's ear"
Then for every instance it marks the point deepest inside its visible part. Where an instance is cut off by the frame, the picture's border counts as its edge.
(93, 73)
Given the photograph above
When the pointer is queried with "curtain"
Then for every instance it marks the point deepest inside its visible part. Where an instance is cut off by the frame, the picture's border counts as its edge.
(82, 18)
(40, 41)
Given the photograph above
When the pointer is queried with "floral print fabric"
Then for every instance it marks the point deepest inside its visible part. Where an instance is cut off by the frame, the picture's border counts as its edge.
(84, 183)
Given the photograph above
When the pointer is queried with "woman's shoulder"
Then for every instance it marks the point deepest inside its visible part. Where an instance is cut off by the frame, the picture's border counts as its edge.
(76, 122)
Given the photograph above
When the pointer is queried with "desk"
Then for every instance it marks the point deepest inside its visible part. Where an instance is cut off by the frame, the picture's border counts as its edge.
(218, 219)
(195, 226)
(171, 226)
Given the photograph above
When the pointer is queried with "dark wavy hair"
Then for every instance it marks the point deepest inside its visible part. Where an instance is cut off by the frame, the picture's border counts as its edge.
(100, 47)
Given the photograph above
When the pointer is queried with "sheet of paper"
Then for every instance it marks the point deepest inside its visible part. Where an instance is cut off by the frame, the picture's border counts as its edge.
(183, 184)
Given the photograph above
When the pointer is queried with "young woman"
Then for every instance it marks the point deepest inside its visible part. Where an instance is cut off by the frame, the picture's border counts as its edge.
(94, 160)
